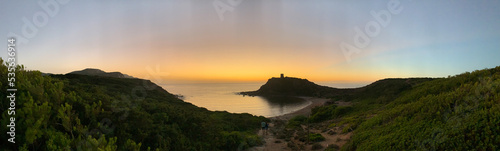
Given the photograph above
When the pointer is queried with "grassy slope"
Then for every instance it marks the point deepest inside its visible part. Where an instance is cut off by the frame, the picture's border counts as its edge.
(460, 112)
(367, 98)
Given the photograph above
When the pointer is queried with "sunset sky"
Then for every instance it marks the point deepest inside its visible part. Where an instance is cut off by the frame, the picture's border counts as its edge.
(187, 41)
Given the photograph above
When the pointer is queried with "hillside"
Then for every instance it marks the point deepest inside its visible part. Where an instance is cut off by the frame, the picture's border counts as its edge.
(460, 112)
(74, 111)
(295, 87)
(290, 86)
(97, 72)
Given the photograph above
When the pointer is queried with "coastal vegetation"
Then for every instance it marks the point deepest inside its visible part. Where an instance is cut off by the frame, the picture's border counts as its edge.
(92, 112)
(103, 111)
(459, 112)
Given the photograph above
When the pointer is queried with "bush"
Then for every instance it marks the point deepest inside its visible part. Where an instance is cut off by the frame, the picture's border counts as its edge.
(328, 112)
(315, 137)
(240, 140)
(296, 121)
(332, 147)
(322, 113)
(340, 111)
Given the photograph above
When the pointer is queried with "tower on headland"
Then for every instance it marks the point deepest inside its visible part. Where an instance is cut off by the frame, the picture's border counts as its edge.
(282, 76)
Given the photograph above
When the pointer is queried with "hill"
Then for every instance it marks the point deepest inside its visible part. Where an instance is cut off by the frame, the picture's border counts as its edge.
(98, 72)
(460, 112)
(75, 112)
(290, 86)
(454, 113)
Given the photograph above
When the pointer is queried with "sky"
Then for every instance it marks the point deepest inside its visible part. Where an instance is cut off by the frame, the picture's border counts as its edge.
(253, 40)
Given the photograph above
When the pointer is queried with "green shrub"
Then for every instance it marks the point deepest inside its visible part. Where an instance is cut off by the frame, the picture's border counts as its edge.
(340, 111)
(296, 121)
(332, 147)
(322, 113)
(315, 137)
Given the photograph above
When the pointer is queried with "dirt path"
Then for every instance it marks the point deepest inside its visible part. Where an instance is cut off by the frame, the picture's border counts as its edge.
(333, 135)
(271, 142)
(274, 144)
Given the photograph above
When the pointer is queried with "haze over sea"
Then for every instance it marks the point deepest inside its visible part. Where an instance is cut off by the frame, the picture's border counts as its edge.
(223, 97)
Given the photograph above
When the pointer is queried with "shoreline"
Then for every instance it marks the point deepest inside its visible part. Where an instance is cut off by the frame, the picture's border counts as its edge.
(271, 142)
(304, 111)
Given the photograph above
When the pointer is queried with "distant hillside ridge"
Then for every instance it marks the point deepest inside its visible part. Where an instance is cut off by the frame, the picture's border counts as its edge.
(98, 72)
(291, 86)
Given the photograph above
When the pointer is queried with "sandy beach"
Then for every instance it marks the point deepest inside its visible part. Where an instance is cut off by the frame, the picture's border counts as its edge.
(304, 111)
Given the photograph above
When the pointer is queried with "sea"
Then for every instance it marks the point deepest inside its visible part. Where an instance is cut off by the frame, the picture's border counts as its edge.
(224, 97)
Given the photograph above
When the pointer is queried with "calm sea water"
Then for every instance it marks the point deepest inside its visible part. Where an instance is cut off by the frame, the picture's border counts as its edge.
(223, 97)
